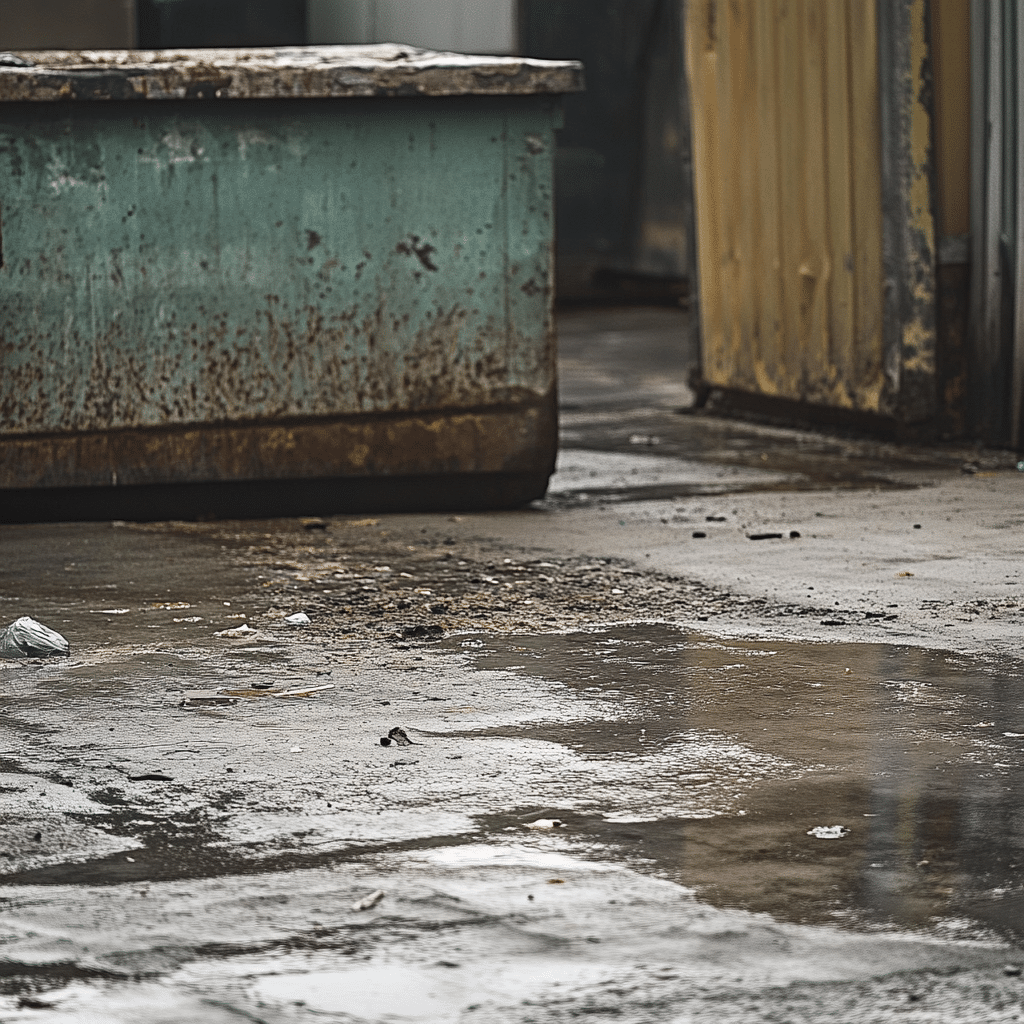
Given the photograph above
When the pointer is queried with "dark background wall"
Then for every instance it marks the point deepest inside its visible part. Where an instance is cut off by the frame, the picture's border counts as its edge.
(624, 205)
(198, 23)
(67, 24)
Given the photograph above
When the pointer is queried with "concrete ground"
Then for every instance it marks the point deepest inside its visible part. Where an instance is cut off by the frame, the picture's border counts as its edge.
(727, 728)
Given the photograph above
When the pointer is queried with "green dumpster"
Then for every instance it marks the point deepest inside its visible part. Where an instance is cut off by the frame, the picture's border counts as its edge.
(272, 281)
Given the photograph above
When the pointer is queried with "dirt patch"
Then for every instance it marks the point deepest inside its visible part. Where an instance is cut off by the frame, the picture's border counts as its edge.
(367, 577)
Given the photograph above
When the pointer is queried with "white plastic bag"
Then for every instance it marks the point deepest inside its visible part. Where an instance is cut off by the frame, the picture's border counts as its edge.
(26, 638)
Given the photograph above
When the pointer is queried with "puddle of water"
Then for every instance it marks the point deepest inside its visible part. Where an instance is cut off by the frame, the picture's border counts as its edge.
(744, 747)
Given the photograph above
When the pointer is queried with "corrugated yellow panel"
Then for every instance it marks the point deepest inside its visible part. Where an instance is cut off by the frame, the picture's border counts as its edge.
(787, 173)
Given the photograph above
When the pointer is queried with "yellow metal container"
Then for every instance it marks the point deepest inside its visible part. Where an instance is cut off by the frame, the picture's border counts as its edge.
(813, 206)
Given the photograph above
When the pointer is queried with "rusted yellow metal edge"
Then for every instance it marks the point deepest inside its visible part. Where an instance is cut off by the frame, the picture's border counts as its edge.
(908, 188)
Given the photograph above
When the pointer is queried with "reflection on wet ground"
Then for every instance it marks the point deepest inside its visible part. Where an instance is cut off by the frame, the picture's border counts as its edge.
(705, 761)
(743, 747)
(541, 842)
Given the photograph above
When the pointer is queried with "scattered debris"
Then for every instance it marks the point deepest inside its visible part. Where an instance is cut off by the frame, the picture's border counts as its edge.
(902, 574)
(242, 630)
(26, 638)
(715, 519)
(699, 534)
(302, 691)
(30, 1002)
(398, 736)
(369, 901)
(197, 698)
(298, 619)
(764, 536)
(151, 777)
(829, 832)
(111, 611)
(422, 631)
(545, 823)
(402, 764)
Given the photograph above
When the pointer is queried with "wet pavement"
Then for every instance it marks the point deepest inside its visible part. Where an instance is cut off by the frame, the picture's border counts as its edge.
(653, 776)
(616, 817)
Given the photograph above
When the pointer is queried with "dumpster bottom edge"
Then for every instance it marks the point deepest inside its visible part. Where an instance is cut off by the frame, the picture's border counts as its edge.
(520, 438)
(265, 499)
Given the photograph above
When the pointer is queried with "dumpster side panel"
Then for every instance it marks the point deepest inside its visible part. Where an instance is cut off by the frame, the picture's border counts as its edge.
(275, 265)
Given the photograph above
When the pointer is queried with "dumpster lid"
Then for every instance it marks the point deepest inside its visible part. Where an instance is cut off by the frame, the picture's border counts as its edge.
(306, 72)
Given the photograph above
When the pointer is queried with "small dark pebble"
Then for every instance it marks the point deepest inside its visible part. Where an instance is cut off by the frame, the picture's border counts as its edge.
(37, 838)
(917, 526)
(794, 534)
(764, 536)
(151, 777)
(1012, 970)
(402, 764)
(874, 615)
(833, 622)
(715, 519)
(699, 534)
(384, 702)
(314, 524)
(385, 741)
(31, 1003)
(262, 686)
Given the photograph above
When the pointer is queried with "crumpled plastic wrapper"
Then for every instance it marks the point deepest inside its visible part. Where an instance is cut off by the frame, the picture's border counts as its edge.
(26, 638)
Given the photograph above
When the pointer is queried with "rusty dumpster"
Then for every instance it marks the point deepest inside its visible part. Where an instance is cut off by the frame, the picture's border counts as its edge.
(271, 281)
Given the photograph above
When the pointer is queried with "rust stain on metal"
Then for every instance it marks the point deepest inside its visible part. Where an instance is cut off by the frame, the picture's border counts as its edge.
(511, 439)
